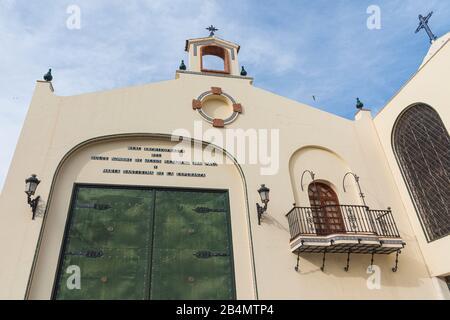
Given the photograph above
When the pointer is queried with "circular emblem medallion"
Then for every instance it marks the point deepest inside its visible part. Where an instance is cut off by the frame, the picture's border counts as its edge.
(217, 107)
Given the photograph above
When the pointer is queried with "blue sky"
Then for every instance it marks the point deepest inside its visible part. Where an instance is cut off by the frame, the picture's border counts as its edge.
(294, 48)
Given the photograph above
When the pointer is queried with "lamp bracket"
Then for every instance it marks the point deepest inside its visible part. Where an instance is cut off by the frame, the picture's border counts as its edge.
(260, 210)
(33, 204)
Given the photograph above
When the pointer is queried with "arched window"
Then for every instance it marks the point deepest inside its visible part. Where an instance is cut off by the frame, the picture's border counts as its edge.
(422, 147)
(326, 210)
(212, 65)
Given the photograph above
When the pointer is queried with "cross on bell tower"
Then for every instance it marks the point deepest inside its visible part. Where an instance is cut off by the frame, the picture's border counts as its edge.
(424, 25)
(212, 30)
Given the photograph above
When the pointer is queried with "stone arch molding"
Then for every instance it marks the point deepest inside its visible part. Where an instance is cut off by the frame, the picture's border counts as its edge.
(329, 167)
(40, 283)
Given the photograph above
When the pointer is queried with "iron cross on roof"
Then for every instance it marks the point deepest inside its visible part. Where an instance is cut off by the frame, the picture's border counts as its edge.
(211, 30)
(424, 25)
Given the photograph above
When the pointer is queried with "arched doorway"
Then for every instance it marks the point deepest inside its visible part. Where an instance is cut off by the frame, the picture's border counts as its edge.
(421, 145)
(96, 197)
(326, 210)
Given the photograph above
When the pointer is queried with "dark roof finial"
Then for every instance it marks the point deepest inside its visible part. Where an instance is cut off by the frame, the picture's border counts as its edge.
(243, 72)
(359, 104)
(48, 76)
(182, 65)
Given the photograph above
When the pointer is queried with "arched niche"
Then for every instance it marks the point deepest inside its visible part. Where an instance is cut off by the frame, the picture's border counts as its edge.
(329, 168)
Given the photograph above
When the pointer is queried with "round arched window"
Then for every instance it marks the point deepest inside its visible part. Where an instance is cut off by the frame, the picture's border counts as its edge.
(422, 147)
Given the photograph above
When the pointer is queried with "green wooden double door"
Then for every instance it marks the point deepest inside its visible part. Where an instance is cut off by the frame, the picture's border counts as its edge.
(135, 243)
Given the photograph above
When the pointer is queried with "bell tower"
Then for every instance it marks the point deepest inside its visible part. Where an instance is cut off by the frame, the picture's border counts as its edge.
(226, 51)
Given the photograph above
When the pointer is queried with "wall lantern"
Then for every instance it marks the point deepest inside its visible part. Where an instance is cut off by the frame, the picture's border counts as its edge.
(30, 188)
(264, 194)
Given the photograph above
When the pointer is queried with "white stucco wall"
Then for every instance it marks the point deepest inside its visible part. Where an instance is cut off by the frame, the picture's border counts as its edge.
(55, 125)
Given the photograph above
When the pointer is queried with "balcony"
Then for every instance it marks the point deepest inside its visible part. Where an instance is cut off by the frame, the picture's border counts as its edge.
(343, 229)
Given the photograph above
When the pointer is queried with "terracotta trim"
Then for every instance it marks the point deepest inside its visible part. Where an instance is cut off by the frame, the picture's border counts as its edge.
(217, 51)
(237, 107)
(215, 71)
(216, 90)
(196, 104)
(218, 123)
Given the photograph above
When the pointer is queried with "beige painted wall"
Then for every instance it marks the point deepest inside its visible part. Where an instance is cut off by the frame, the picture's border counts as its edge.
(55, 125)
(429, 86)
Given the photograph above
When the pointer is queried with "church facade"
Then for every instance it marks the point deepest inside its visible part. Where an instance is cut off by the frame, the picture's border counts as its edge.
(207, 187)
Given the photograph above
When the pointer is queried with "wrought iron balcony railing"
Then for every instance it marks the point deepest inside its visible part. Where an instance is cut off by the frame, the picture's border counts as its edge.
(341, 219)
